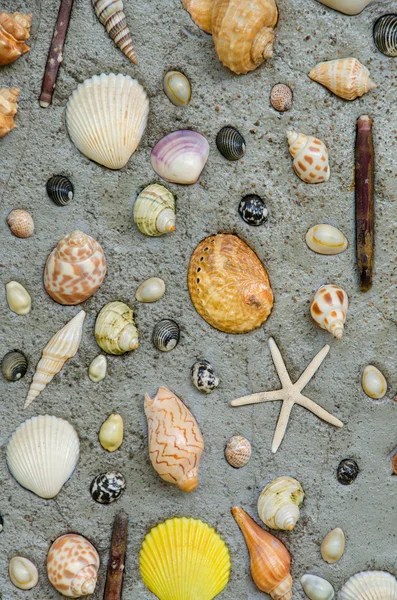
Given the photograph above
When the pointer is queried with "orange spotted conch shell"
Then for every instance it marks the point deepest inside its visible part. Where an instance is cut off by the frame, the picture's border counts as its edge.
(329, 309)
(175, 440)
(345, 77)
(8, 109)
(14, 31)
(75, 269)
(243, 30)
(72, 566)
(310, 157)
(228, 284)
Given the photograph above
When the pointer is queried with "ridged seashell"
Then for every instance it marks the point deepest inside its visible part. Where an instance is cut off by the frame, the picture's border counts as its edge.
(23, 573)
(111, 15)
(182, 559)
(111, 434)
(166, 335)
(200, 11)
(204, 377)
(370, 585)
(115, 330)
(347, 471)
(177, 88)
(75, 269)
(98, 368)
(310, 157)
(270, 559)
(333, 546)
(72, 565)
(281, 97)
(14, 365)
(279, 503)
(253, 210)
(42, 455)
(21, 223)
(14, 31)
(385, 34)
(107, 487)
(228, 285)
(154, 210)
(180, 156)
(344, 77)
(326, 239)
(373, 382)
(175, 440)
(62, 346)
(106, 117)
(348, 7)
(230, 143)
(18, 298)
(8, 106)
(317, 588)
(329, 309)
(60, 190)
(238, 451)
(150, 290)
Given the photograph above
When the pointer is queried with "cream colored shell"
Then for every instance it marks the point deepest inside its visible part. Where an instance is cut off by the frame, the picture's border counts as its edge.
(111, 433)
(279, 503)
(98, 368)
(370, 585)
(23, 573)
(154, 211)
(329, 309)
(326, 239)
(238, 451)
(8, 106)
(18, 298)
(21, 223)
(177, 88)
(310, 157)
(374, 382)
(150, 290)
(345, 77)
(317, 588)
(348, 7)
(115, 330)
(333, 546)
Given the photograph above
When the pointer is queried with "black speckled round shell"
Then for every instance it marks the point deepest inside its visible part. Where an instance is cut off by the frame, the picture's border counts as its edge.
(385, 34)
(203, 376)
(107, 487)
(347, 471)
(14, 365)
(60, 190)
(230, 143)
(253, 210)
(166, 335)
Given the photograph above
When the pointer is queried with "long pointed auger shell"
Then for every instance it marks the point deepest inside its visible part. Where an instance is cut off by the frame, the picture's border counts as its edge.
(370, 585)
(111, 15)
(345, 77)
(62, 346)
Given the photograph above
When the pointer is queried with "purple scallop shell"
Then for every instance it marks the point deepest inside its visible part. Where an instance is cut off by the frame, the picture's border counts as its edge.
(180, 156)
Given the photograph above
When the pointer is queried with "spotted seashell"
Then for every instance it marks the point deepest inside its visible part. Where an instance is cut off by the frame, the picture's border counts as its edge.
(21, 223)
(385, 34)
(107, 487)
(203, 376)
(150, 290)
(326, 239)
(329, 309)
(177, 88)
(14, 365)
(281, 97)
(374, 383)
(238, 451)
(23, 573)
(347, 471)
(253, 210)
(310, 157)
(230, 143)
(317, 588)
(154, 211)
(166, 335)
(60, 190)
(180, 156)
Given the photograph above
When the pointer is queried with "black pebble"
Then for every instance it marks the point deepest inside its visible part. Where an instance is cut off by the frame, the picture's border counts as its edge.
(347, 471)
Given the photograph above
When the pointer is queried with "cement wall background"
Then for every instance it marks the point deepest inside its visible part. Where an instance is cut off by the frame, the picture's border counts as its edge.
(166, 38)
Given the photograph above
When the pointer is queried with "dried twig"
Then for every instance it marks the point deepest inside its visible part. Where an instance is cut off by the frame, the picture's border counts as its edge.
(114, 578)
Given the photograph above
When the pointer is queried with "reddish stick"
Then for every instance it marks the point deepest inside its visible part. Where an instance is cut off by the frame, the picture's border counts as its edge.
(55, 55)
(114, 577)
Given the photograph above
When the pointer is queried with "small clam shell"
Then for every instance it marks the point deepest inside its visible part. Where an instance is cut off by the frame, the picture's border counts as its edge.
(154, 211)
(166, 335)
(180, 156)
(385, 34)
(21, 223)
(333, 546)
(23, 573)
(111, 433)
(253, 210)
(203, 376)
(374, 383)
(60, 190)
(230, 143)
(326, 239)
(107, 487)
(14, 365)
(281, 97)
(317, 588)
(97, 369)
(347, 471)
(237, 451)
(150, 290)
(177, 88)
(18, 298)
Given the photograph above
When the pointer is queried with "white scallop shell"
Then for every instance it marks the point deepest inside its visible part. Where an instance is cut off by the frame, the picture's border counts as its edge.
(317, 588)
(42, 454)
(23, 573)
(326, 239)
(370, 585)
(374, 382)
(106, 117)
(333, 546)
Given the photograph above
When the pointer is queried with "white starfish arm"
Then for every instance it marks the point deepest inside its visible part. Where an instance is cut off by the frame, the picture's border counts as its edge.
(258, 398)
(279, 364)
(318, 410)
(311, 369)
(282, 424)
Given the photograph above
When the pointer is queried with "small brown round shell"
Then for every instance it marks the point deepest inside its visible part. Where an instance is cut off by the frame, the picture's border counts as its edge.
(20, 223)
(281, 97)
(238, 451)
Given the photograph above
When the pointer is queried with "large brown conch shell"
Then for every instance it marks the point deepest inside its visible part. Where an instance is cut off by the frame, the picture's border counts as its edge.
(242, 29)
(8, 109)
(14, 31)
(228, 284)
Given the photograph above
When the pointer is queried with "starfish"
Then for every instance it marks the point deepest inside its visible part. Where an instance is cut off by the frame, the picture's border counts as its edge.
(290, 393)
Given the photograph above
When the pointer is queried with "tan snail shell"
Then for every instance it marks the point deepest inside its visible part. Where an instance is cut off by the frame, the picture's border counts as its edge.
(279, 503)
(8, 108)
(310, 157)
(23, 573)
(345, 77)
(329, 309)
(14, 31)
(281, 97)
(72, 566)
(154, 211)
(111, 434)
(21, 223)
(238, 451)
(115, 330)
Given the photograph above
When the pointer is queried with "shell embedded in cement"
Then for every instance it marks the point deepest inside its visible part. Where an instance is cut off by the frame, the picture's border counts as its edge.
(14, 365)
(20, 223)
(150, 290)
(279, 503)
(18, 298)
(166, 335)
(180, 156)
(23, 573)
(204, 377)
(333, 546)
(111, 15)
(317, 588)
(370, 585)
(60, 190)
(385, 34)
(177, 88)
(348, 7)
(111, 434)
(238, 451)
(154, 211)
(115, 330)
(310, 156)
(281, 97)
(107, 487)
(230, 143)
(98, 368)
(326, 239)
(253, 210)
(347, 471)
(374, 382)
(329, 309)
(344, 77)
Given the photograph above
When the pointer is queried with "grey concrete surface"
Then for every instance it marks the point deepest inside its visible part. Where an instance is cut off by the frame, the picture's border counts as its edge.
(165, 38)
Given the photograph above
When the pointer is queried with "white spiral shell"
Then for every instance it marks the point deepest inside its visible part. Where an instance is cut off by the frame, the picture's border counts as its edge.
(329, 309)
(279, 503)
(154, 211)
(115, 330)
(310, 157)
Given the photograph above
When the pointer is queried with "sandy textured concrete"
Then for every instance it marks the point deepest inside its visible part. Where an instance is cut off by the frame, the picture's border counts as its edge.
(165, 38)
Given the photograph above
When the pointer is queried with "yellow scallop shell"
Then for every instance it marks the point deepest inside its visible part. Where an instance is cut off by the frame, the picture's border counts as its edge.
(182, 559)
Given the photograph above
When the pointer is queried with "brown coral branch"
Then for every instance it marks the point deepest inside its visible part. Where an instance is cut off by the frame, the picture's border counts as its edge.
(114, 578)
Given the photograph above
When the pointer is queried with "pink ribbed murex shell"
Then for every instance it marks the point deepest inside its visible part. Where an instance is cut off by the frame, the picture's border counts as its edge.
(75, 269)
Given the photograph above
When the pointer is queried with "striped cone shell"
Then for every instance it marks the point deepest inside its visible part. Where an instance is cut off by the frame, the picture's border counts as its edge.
(111, 15)
(166, 335)
(385, 35)
(60, 190)
(344, 77)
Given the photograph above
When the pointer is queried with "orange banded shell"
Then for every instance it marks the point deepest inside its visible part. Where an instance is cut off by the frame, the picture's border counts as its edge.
(228, 284)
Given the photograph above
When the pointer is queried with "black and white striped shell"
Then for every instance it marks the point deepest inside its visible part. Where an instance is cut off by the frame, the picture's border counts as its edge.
(107, 487)
(14, 365)
(230, 143)
(166, 335)
(253, 210)
(347, 471)
(203, 376)
(1, 523)
(385, 34)
(60, 190)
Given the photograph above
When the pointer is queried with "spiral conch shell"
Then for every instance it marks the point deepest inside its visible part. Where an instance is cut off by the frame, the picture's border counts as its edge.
(111, 15)
(14, 31)
(154, 211)
(72, 565)
(370, 585)
(329, 309)
(345, 77)
(8, 109)
(279, 503)
(115, 330)
(310, 157)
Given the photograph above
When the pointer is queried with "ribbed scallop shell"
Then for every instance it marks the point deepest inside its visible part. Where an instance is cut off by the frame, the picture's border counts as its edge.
(21, 223)
(345, 77)
(75, 269)
(228, 285)
(329, 309)
(106, 117)
(14, 31)
(184, 559)
(42, 454)
(154, 211)
(14, 365)
(111, 15)
(279, 503)
(180, 156)
(60, 190)
(166, 335)
(8, 109)
(310, 157)
(385, 34)
(370, 585)
(115, 330)
(230, 143)
(201, 12)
